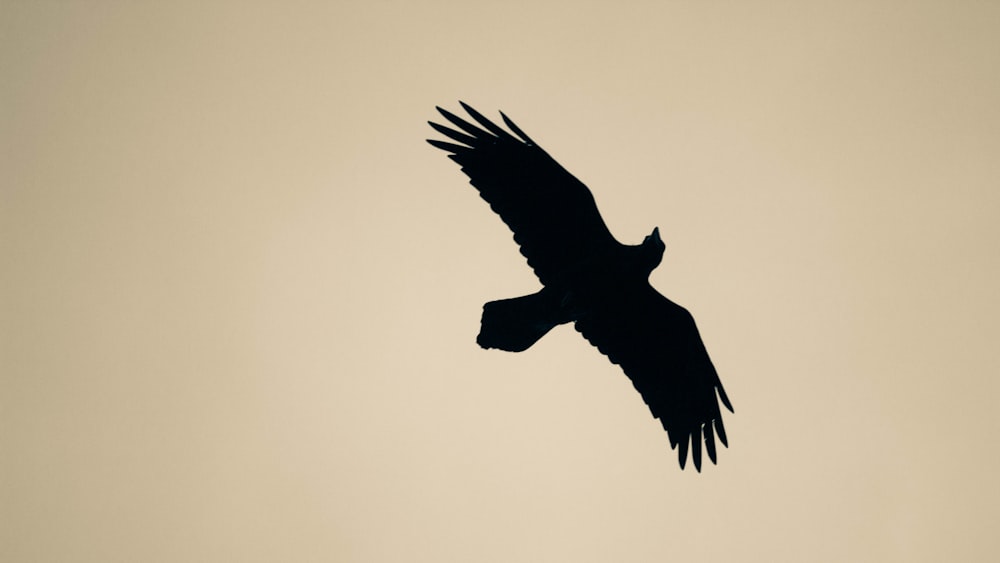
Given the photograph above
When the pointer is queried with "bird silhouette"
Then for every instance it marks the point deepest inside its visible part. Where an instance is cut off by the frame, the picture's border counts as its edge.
(589, 279)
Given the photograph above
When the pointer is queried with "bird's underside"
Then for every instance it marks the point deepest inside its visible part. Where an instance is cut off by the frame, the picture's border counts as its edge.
(589, 279)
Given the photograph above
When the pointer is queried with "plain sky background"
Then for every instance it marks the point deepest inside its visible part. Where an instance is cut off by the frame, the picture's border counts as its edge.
(240, 293)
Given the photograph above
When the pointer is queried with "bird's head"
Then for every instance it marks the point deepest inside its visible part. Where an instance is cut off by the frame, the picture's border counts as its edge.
(652, 249)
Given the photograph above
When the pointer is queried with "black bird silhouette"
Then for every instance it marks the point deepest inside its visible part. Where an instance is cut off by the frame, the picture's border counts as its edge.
(589, 279)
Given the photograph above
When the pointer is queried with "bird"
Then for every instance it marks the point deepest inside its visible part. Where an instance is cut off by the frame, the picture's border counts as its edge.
(589, 279)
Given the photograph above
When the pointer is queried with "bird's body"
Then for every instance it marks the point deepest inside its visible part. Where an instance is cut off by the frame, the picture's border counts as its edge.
(589, 279)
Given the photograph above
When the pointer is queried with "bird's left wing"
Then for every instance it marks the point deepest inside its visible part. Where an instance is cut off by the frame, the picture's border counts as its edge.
(657, 344)
(552, 214)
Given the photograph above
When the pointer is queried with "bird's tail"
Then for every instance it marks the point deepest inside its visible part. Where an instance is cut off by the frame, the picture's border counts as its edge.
(515, 324)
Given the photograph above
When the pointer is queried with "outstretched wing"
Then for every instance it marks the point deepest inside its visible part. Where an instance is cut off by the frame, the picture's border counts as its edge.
(656, 343)
(552, 214)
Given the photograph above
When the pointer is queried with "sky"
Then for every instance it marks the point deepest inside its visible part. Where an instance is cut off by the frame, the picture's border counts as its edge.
(240, 293)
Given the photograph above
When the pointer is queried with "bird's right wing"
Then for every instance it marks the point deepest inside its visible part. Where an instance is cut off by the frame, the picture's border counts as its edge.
(657, 344)
(552, 214)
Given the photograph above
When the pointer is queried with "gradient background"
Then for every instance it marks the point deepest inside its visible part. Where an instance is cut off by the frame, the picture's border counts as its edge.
(240, 293)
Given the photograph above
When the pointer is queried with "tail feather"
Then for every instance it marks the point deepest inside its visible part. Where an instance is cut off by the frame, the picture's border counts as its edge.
(515, 324)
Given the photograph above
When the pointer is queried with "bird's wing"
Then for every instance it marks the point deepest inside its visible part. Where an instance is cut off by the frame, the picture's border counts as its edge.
(657, 344)
(552, 214)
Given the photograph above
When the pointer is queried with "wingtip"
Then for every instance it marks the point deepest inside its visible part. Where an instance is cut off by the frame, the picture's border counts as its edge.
(682, 452)
(517, 130)
(696, 449)
(725, 398)
(448, 147)
(447, 114)
(710, 443)
(720, 431)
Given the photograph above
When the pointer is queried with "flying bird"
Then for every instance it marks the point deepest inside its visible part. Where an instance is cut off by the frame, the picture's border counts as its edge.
(589, 279)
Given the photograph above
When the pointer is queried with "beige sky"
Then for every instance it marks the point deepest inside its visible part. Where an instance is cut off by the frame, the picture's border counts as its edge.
(240, 293)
